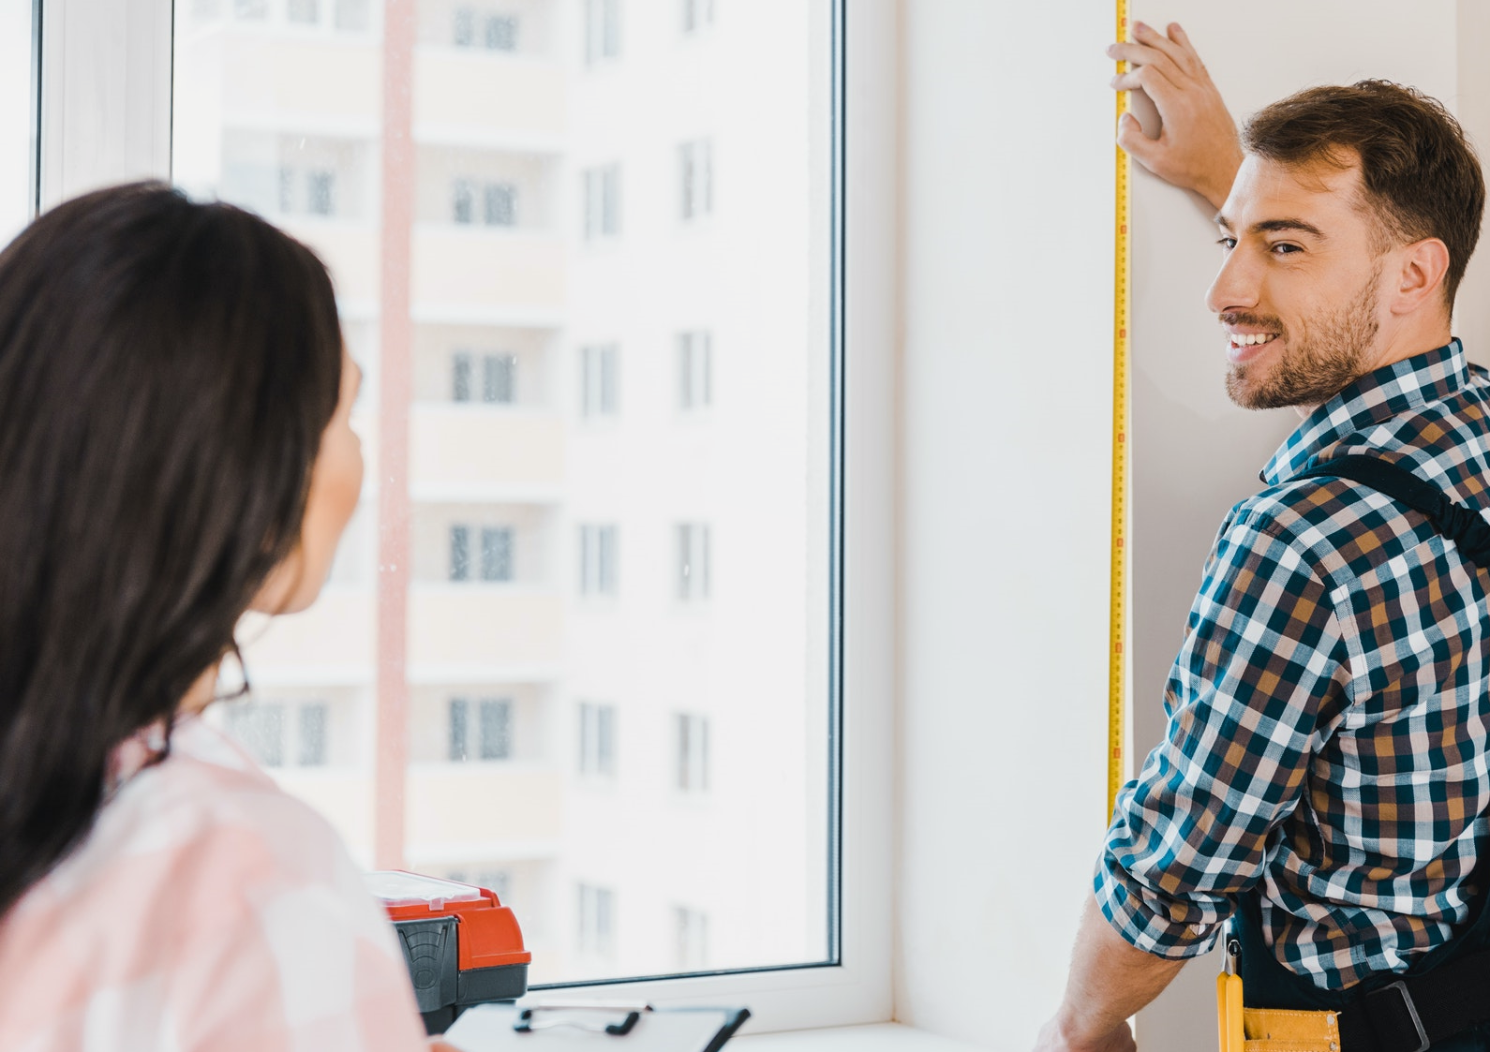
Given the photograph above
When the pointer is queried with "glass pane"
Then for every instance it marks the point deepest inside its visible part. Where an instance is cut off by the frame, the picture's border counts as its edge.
(18, 114)
(574, 609)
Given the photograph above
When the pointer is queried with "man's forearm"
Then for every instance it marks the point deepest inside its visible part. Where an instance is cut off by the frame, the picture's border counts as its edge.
(1110, 981)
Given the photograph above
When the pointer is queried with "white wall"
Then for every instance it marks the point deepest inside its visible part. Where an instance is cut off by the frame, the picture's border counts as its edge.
(1006, 417)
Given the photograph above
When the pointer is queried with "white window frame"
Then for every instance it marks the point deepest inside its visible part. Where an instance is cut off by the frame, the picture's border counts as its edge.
(106, 105)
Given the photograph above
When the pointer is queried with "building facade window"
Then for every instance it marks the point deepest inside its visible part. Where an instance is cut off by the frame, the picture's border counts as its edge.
(498, 374)
(599, 376)
(501, 204)
(320, 188)
(488, 738)
(460, 553)
(352, 16)
(501, 33)
(251, 10)
(696, 179)
(602, 203)
(598, 560)
(698, 15)
(695, 370)
(692, 561)
(596, 920)
(496, 553)
(463, 202)
(602, 30)
(303, 11)
(597, 740)
(312, 747)
(493, 560)
(282, 734)
(691, 751)
(690, 939)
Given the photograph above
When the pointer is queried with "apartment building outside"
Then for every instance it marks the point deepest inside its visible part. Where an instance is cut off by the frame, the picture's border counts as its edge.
(608, 700)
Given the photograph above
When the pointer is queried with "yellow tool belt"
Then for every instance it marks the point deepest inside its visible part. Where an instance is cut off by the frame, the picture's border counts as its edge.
(1281, 1030)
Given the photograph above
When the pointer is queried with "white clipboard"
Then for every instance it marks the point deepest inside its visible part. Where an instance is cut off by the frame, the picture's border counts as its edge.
(597, 1025)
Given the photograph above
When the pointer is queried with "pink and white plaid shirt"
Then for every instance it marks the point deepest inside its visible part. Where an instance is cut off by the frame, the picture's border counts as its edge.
(207, 911)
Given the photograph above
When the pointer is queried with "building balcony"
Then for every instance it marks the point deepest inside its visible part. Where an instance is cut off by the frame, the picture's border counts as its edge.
(350, 250)
(464, 271)
(460, 807)
(458, 448)
(473, 626)
(477, 98)
(317, 84)
(331, 643)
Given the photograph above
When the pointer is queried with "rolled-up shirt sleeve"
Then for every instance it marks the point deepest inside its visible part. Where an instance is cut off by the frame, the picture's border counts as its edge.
(1262, 662)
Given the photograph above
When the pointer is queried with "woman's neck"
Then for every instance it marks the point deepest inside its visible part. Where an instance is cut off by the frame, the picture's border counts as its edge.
(200, 694)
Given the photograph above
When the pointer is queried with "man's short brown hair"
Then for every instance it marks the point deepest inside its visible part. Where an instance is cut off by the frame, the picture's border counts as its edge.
(1421, 176)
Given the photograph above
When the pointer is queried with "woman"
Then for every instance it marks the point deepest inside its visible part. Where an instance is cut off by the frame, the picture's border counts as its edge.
(175, 450)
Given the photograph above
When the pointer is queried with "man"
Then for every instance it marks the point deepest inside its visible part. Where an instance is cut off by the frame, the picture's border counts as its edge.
(1326, 766)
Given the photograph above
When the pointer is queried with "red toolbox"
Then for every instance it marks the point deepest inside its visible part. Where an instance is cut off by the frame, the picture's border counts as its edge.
(462, 946)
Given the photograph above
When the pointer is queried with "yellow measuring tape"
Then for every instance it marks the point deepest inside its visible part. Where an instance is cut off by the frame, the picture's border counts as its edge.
(1116, 656)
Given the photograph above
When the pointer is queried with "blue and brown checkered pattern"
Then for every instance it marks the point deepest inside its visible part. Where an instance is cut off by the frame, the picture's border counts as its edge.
(1329, 711)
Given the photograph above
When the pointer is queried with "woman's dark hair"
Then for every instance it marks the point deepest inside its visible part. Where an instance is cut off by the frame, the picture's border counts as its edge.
(1420, 173)
(167, 369)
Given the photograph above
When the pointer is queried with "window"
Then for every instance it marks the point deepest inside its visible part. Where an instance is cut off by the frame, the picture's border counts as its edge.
(460, 377)
(460, 553)
(486, 262)
(251, 10)
(498, 378)
(597, 560)
(465, 27)
(695, 370)
(596, 920)
(598, 369)
(697, 15)
(692, 578)
(260, 729)
(696, 179)
(496, 553)
(602, 30)
(597, 740)
(463, 201)
(18, 117)
(313, 735)
(501, 33)
(319, 187)
(691, 940)
(306, 11)
(352, 15)
(602, 188)
(501, 204)
(494, 562)
(490, 738)
(691, 740)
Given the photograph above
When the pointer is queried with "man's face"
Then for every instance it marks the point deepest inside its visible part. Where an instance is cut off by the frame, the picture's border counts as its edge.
(1297, 292)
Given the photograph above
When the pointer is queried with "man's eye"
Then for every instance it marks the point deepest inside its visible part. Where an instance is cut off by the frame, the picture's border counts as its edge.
(1228, 243)
(1283, 248)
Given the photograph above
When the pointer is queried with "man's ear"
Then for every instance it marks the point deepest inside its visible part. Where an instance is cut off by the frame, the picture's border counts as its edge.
(1420, 278)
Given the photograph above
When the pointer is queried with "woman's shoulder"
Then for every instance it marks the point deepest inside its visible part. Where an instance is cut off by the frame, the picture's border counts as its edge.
(200, 874)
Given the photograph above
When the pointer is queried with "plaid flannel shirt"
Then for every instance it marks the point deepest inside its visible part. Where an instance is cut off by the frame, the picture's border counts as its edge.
(1327, 737)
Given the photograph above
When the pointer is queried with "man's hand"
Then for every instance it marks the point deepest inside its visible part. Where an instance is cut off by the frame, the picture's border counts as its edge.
(1197, 148)
(1110, 981)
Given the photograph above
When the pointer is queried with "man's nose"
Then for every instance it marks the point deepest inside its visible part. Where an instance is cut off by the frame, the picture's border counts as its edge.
(1236, 287)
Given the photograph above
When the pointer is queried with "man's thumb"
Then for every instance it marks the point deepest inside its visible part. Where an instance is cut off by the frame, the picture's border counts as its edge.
(1136, 144)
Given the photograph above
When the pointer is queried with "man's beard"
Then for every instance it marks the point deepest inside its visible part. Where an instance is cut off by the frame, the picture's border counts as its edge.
(1329, 353)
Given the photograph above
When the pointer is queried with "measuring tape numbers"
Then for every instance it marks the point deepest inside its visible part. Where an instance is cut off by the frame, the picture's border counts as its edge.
(1116, 655)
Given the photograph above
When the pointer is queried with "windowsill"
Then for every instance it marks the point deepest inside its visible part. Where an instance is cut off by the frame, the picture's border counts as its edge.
(883, 1037)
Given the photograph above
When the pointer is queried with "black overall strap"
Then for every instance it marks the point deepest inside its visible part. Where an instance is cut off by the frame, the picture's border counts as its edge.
(1423, 1010)
(1462, 525)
